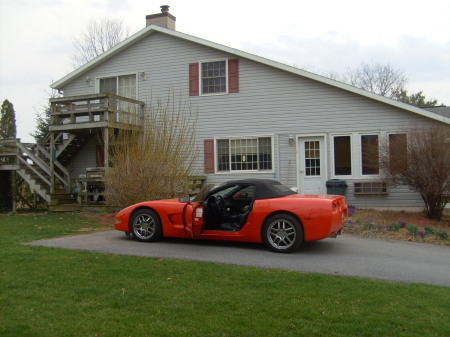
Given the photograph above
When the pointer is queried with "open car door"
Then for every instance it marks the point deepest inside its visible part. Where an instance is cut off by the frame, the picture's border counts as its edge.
(193, 218)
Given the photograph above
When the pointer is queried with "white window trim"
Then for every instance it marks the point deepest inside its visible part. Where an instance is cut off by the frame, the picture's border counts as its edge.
(216, 162)
(367, 176)
(352, 155)
(200, 77)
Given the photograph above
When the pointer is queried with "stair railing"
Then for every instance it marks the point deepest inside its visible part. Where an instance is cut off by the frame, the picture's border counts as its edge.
(64, 180)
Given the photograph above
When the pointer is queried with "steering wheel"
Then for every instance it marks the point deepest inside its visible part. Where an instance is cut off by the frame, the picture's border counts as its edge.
(220, 203)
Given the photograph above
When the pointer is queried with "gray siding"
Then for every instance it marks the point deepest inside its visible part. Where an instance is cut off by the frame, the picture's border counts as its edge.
(86, 158)
(270, 102)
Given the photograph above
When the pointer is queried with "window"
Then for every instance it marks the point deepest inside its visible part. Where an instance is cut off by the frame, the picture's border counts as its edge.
(398, 158)
(342, 155)
(369, 155)
(119, 85)
(312, 158)
(214, 77)
(223, 155)
(122, 86)
(371, 187)
(244, 154)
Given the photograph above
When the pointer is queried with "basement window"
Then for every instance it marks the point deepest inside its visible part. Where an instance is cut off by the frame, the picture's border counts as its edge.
(371, 187)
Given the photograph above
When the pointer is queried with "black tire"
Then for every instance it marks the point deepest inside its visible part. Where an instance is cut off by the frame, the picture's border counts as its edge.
(282, 233)
(145, 226)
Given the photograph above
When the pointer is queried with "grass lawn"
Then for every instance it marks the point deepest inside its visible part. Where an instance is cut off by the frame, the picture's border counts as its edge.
(57, 292)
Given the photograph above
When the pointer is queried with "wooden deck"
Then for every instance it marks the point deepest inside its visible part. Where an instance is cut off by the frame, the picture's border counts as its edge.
(84, 112)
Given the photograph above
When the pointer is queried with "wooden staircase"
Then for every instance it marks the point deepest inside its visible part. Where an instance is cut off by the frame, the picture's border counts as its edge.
(33, 161)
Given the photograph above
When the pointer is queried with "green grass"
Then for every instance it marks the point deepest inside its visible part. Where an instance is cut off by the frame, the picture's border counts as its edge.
(57, 292)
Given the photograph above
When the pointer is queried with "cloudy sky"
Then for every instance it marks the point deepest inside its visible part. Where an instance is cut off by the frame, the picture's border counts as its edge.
(324, 35)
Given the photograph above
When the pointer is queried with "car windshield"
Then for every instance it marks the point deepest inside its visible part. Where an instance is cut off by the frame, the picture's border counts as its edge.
(201, 195)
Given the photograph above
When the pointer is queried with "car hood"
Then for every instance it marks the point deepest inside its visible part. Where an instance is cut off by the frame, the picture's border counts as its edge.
(153, 203)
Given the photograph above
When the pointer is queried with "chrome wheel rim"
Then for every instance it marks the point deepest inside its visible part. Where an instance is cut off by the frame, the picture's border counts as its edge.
(144, 226)
(281, 234)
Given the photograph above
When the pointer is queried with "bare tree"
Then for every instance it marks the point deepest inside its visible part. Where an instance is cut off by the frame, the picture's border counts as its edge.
(99, 36)
(382, 79)
(420, 159)
(157, 162)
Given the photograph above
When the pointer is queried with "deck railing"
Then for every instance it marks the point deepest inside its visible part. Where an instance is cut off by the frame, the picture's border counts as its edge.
(95, 110)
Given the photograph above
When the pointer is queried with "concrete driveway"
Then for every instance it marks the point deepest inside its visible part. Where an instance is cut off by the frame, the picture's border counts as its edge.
(346, 255)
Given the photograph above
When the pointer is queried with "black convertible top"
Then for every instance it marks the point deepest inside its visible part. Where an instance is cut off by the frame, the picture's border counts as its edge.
(264, 188)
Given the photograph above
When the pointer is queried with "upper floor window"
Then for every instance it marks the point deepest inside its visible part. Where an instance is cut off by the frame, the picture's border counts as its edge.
(119, 85)
(214, 77)
(124, 86)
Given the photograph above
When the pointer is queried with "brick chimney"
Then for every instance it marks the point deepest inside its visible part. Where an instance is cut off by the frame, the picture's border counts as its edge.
(163, 19)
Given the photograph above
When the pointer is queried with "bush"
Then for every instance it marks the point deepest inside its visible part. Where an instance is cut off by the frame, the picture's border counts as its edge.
(156, 164)
(429, 229)
(413, 229)
(406, 161)
(394, 226)
(442, 234)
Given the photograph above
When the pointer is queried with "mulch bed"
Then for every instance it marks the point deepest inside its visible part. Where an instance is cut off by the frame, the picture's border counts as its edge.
(384, 218)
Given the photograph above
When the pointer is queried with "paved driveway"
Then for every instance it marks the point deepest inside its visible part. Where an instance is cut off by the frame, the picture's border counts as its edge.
(346, 255)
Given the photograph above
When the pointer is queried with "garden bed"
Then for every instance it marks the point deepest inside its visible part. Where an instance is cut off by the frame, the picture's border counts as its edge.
(402, 225)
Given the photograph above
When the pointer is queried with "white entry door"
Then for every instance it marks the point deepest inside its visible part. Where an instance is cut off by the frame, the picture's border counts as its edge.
(312, 175)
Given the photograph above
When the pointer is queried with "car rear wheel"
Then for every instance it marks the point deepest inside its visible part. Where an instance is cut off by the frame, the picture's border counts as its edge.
(282, 233)
(146, 226)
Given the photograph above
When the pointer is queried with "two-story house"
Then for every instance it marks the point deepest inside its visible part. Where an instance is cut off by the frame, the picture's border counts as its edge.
(257, 117)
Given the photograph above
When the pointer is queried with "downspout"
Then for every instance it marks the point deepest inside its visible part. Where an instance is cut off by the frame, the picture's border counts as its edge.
(278, 168)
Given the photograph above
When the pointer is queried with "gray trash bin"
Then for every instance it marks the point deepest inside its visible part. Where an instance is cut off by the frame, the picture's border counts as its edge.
(336, 186)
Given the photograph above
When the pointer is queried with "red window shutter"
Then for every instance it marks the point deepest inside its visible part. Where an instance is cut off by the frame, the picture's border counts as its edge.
(233, 75)
(193, 79)
(209, 155)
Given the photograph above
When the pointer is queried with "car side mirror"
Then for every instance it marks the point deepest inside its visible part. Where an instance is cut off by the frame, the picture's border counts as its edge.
(184, 199)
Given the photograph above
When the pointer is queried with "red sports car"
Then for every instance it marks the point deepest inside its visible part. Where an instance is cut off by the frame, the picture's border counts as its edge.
(253, 210)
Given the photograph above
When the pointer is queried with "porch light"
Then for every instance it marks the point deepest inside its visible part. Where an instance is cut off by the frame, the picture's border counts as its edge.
(291, 140)
(143, 75)
(88, 80)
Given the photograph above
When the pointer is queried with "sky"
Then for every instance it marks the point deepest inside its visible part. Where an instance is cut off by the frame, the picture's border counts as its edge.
(320, 36)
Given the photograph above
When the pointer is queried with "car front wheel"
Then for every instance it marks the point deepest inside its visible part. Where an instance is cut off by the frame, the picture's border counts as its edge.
(146, 226)
(282, 233)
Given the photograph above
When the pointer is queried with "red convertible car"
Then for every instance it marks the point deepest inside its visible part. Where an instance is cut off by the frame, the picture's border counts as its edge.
(254, 210)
